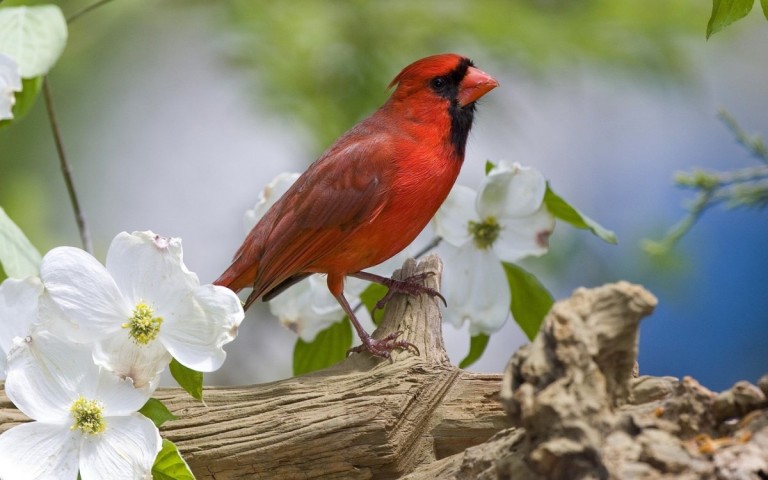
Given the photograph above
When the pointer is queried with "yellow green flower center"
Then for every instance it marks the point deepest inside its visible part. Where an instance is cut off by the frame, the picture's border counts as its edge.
(144, 327)
(88, 416)
(484, 233)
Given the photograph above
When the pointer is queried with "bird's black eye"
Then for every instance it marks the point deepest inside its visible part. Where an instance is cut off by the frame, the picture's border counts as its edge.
(439, 84)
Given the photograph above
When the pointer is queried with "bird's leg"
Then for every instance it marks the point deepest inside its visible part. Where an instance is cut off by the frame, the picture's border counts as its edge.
(379, 348)
(411, 285)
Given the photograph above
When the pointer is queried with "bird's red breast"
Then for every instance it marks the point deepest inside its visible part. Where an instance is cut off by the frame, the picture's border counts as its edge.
(371, 193)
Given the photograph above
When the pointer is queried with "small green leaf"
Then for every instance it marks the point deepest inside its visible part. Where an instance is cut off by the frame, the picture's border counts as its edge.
(18, 256)
(25, 99)
(530, 300)
(565, 212)
(725, 12)
(156, 411)
(329, 347)
(764, 3)
(169, 464)
(488, 167)
(477, 344)
(30, 88)
(188, 379)
(34, 37)
(370, 296)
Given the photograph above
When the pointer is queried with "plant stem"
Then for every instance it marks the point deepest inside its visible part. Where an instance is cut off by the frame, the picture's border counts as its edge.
(85, 10)
(432, 244)
(85, 235)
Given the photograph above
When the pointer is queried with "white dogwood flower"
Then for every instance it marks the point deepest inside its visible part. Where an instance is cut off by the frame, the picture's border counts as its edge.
(505, 222)
(143, 308)
(86, 416)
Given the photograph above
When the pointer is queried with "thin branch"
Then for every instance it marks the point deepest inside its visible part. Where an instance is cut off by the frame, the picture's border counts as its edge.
(754, 144)
(85, 235)
(676, 232)
(432, 244)
(85, 10)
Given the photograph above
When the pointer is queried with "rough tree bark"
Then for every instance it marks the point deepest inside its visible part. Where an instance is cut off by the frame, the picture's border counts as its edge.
(568, 407)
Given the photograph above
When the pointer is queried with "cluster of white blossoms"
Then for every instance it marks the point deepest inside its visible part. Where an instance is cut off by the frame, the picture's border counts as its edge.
(83, 346)
(505, 222)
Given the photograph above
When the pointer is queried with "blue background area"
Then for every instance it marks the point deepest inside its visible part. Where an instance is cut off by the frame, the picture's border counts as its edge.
(714, 326)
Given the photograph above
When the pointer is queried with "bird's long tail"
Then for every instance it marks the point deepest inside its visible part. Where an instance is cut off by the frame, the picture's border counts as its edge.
(238, 276)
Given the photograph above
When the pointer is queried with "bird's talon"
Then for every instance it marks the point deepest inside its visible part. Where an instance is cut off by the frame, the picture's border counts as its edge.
(383, 347)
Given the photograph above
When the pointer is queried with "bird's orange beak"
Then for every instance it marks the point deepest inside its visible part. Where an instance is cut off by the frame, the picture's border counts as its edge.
(475, 84)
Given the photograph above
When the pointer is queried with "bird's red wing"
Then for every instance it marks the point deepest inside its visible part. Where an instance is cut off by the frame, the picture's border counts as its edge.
(341, 191)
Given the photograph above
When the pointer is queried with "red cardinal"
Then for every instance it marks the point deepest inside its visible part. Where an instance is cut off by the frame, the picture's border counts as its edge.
(369, 195)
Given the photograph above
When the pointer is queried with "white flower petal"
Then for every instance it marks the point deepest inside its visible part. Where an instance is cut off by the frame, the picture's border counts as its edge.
(476, 288)
(511, 191)
(306, 308)
(84, 291)
(451, 221)
(142, 364)
(126, 449)
(18, 311)
(10, 82)
(39, 451)
(199, 327)
(149, 268)
(271, 193)
(47, 373)
(53, 319)
(524, 236)
(118, 395)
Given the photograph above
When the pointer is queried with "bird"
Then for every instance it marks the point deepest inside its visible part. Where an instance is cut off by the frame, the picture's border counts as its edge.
(370, 194)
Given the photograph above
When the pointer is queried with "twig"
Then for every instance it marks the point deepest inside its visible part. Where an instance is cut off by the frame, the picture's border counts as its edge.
(432, 244)
(676, 232)
(745, 187)
(85, 235)
(85, 10)
(754, 144)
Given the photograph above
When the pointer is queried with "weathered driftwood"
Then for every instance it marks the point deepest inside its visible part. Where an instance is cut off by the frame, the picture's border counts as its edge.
(582, 414)
(572, 409)
(363, 418)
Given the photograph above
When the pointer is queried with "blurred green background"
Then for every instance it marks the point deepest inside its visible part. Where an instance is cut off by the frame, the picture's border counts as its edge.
(175, 114)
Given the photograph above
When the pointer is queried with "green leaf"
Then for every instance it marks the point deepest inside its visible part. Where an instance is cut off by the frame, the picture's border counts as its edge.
(477, 344)
(488, 167)
(30, 89)
(530, 300)
(725, 12)
(188, 379)
(764, 3)
(24, 99)
(34, 37)
(169, 465)
(18, 256)
(156, 411)
(329, 347)
(565, 212)
(370, 296)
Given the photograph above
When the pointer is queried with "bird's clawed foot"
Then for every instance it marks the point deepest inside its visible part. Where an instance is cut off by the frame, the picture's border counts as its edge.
(383, 347)
(411, 286)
